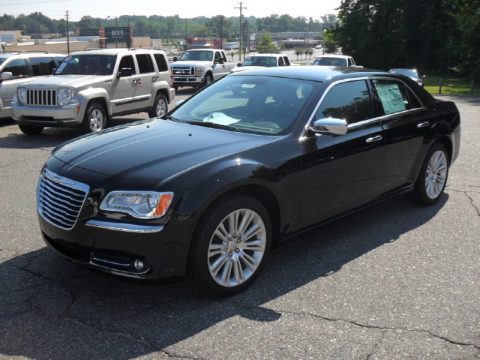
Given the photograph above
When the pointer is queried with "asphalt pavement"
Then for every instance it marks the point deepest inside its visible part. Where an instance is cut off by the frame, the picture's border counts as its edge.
(393, 281)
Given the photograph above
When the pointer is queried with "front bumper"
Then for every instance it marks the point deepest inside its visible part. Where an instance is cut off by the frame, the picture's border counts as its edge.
(190, 80)
(117, 247)
(67, 115)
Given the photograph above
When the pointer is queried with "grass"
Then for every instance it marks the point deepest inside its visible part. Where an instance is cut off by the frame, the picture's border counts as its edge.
(451, 86)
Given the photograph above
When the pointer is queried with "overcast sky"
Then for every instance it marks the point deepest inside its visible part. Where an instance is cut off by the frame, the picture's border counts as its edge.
(183, 8)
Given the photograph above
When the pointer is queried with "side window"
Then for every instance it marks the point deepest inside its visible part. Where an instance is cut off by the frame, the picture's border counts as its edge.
(127, 62)
(224, 57)
(17, 67)
(349, 101)
(349, 62)
(280, 61)
(394, 96)
(58, 60)
(145, 64)
(287, 62)
(218, 57)
(42, 65)
(161, 62)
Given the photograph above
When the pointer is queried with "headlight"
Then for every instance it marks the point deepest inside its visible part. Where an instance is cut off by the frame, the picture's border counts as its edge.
(64, 96)
(198, 71)
(22, 95)
(139, 204)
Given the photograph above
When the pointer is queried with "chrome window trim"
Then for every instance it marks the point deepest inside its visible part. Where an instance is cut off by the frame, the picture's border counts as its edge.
(358, 124)
(124, 227)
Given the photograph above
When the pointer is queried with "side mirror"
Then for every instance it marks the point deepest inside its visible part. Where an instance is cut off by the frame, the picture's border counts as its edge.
(125, 72)
(239, 64)
(330, 126)
(6, 75)
(175, 58)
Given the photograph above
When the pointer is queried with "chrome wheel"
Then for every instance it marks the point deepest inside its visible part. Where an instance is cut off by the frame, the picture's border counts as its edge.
(237, 247)
(97, 120)
(436, 174)
(161, 108)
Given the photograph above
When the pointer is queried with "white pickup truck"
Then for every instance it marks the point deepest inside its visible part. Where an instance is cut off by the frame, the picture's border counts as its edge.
(336, 60)
(200, 67)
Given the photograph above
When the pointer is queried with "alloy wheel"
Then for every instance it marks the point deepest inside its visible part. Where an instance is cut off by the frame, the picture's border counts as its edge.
(436, 174)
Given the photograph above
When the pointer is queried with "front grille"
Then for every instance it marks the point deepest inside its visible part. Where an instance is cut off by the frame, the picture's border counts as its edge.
(59, 200)
(183, 70)
(41, 97)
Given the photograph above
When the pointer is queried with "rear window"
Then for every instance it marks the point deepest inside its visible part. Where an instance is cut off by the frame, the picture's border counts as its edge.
(161, 62)
(145, 64)
(330, 61)
(42, 65)
(394, 97)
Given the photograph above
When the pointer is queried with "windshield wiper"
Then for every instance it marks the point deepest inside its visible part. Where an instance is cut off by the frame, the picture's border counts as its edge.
(212, 125)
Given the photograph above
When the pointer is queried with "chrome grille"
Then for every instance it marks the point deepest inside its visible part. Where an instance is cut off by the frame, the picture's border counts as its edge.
(183, 70)
(59, 200)
(42, 97)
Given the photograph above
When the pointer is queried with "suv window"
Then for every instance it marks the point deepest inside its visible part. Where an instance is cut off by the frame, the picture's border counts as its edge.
(349, 101)
(161, 62)
(287, 62)
(218, 57)
(145, 64)
(42, 65)
(127, 62)
(17, 67)
(394, 97)
(280, 61)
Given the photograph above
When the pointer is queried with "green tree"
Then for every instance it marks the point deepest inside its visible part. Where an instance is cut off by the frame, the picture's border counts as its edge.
(266, 44)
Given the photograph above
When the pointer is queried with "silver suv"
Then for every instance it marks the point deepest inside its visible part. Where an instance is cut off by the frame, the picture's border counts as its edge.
(20, 68)
(91, 86)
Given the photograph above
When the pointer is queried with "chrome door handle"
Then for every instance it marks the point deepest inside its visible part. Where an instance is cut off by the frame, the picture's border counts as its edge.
(423, 124)
(154, 78)
(374, 139)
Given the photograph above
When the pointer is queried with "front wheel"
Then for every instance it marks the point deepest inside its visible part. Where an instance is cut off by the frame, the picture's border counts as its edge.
(433, 176)
(30, 129)
(95, 119)
(208, 80)
(160, 107)
(232, 245)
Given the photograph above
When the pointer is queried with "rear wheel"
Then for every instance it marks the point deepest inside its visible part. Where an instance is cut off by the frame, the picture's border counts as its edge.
(30, 129)
(433, 176)
(160, 107)
(232, 246)
(95, 119)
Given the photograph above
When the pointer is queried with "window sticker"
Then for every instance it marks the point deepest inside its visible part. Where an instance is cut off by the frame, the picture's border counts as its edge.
(391, 98)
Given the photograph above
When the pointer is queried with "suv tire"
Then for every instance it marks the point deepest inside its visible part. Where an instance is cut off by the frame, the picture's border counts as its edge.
(95, 118)
(160, 106)
(30, 129)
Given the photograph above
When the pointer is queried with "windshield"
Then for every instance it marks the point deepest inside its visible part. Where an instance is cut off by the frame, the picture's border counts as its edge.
(329, 61)
(197, 56)
(406, 72)
(87, 64)
(253, 104)
(268, 61)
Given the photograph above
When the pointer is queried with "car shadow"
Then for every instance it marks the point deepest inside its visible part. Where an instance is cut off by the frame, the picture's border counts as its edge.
(57, 310)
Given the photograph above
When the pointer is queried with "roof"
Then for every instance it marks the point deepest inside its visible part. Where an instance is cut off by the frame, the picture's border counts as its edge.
(266, 55)
(115, 51)
(334, 56)
(29, 54)
(314, 73)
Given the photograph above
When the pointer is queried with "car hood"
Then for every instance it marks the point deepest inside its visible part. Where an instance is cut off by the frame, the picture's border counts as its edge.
(75, 81)
(243, 68)
(147, 153)
(190, 63)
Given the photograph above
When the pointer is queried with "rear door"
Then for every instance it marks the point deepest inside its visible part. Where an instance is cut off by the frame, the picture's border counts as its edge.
(144, 84)
(21, 72)
(341, 172)
(406, 123)
(122, 90)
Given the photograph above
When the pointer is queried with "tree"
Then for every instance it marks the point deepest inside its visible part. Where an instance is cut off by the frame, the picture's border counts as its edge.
(88, 23)
(329, 42)
(266, 44)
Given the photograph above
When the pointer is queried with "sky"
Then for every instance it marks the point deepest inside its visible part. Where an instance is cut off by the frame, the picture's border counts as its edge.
(184, 8)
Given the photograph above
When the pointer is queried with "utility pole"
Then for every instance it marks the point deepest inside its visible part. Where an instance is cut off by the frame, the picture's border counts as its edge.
(116, 31)
(241, 8)
(221, 31)
(68, 36)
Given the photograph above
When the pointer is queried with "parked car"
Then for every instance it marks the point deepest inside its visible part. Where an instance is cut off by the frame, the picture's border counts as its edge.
(216, 182)
(91, 86)
(200, 67)
(335, 60)
(411, 73)
(20, 68)
(259, 61)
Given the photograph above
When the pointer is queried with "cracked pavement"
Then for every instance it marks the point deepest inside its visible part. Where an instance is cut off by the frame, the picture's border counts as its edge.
(394, 281)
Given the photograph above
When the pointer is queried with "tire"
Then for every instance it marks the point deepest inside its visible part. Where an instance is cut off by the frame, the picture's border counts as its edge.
(30, 129)
(95, 118)
(215, 264)
(208, 80)
(433, 176)
(160, 106)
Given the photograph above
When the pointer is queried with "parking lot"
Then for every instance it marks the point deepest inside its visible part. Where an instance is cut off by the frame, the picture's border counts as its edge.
(393, 281)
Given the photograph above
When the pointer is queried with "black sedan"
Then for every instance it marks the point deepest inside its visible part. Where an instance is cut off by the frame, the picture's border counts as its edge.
(256, 157)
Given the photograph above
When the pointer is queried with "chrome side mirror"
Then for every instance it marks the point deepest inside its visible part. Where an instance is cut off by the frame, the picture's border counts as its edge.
(330, 126)
(6, 75)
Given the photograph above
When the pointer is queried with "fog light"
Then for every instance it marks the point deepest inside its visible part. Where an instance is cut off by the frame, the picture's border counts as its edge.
(139, 265)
